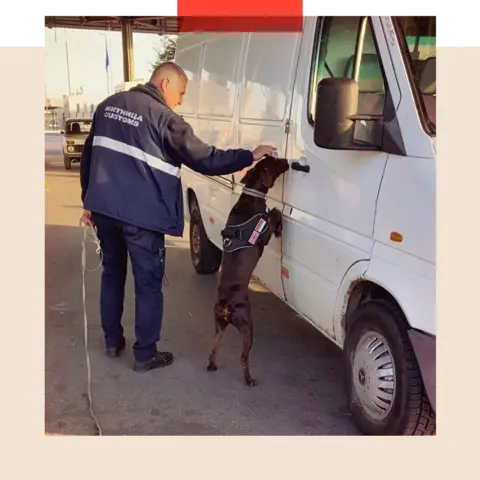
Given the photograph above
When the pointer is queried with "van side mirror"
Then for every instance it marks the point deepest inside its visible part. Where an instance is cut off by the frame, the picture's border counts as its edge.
(62, 132)
(336, 117)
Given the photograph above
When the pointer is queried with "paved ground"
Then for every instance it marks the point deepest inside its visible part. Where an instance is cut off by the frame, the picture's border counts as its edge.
(300, 391)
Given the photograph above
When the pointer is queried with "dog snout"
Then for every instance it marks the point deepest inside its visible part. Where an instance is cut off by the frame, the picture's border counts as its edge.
(284, 164)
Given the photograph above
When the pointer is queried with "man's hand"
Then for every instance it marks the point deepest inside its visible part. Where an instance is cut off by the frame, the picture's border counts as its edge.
(263, 151)
(86, 218)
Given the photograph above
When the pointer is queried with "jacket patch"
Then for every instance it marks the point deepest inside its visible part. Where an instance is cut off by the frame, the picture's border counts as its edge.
(258, 230)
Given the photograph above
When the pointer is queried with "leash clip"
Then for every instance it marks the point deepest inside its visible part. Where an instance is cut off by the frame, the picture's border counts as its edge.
(98, 250)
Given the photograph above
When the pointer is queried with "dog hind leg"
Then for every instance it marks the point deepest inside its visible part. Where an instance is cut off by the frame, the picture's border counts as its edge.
(219, 331)
(247, 333)
(221, 321)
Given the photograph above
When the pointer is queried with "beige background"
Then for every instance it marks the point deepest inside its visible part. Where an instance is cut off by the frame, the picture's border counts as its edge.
(25, 451)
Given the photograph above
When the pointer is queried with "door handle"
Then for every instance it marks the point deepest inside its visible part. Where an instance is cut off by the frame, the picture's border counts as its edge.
(301, 168)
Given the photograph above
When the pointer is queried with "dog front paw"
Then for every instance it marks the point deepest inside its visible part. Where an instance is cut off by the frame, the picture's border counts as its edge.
(276, 220)
(277, 231)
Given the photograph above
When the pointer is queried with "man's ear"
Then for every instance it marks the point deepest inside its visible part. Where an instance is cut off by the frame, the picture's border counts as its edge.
(164, 84)
(247, 176)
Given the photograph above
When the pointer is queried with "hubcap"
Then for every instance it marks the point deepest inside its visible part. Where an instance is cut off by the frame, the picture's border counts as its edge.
(374, 375)
(195, 239)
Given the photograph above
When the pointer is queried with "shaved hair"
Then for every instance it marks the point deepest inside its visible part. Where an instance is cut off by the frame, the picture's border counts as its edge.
(168, 70)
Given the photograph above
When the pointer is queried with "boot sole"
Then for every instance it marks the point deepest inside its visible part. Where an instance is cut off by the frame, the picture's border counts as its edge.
(115, 353)
(138, 368)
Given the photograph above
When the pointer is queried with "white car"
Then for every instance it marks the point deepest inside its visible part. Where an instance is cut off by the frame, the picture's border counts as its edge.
(75, 133)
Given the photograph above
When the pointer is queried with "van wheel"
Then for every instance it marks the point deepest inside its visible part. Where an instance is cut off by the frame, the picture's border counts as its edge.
(384, 387)
(67, 162)
(206, 257)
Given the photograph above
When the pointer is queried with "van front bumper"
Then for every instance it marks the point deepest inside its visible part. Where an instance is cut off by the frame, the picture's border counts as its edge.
(425, 348)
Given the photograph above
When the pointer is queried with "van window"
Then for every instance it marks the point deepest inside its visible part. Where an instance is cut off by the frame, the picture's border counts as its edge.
(420, 34)
(268, 76)
(189, 60)
(334, 56)
(219, 73)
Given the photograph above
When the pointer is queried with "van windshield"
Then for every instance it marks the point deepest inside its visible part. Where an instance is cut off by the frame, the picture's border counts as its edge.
(420, 35)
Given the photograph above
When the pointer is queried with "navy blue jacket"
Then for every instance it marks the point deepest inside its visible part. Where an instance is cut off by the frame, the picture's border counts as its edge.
(130, 166)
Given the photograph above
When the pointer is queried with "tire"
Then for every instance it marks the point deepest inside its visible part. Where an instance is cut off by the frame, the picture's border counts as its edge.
(206, 257)
(67, 162)
(397, 404)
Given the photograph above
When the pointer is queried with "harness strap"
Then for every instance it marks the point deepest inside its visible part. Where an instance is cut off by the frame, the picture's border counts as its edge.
(247, 234)
(233, 232)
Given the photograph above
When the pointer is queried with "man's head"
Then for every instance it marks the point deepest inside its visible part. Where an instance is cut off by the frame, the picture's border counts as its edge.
(171, 80)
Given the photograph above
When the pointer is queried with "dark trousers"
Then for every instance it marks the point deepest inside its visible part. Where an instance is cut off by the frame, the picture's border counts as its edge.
(147, 256)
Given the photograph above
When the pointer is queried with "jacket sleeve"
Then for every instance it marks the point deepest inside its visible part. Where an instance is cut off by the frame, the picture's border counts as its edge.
(183, 146)
(85, 160)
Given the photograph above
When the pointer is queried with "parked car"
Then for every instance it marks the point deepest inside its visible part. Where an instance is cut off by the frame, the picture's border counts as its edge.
(75, 133)
(351, 103)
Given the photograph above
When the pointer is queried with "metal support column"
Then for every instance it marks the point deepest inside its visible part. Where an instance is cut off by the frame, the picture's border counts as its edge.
(127, 44)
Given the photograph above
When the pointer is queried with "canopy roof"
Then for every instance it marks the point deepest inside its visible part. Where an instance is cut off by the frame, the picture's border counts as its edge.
(161, 24)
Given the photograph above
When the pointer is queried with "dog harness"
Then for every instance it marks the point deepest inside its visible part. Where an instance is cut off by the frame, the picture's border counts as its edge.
(247, 234)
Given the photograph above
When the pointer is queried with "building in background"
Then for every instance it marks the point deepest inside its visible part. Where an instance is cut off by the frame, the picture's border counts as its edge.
(59, 108)
(54, 113)
(122, 87)
(77, 105)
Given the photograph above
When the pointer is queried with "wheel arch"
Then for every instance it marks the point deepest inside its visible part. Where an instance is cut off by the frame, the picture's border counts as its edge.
(365, 290)
(413, 294)
(359, 286)
(190, 199)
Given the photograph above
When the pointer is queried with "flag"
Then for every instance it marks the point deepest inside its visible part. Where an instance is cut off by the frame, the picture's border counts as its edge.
(107, 60)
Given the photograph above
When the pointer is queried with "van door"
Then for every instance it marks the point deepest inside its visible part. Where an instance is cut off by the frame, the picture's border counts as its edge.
(330, 195)
(265, 102)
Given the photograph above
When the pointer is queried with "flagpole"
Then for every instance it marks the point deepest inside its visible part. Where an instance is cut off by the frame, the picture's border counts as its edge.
(107, 66)
(68, 64)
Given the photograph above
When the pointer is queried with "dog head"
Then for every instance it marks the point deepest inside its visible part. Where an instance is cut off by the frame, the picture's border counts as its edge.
(264, 174)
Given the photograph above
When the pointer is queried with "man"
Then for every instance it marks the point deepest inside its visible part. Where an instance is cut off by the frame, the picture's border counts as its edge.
(131, 192)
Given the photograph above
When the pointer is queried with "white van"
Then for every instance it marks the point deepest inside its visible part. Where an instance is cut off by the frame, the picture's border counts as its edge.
(350, 101)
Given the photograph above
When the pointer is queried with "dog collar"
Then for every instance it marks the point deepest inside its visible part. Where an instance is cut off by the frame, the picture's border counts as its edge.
(254, 193)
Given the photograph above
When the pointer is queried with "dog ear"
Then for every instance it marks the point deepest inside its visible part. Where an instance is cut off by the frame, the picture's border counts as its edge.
(268, 180)
(247, 176)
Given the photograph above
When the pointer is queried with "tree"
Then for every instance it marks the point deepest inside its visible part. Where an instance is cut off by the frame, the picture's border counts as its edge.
(166, 52)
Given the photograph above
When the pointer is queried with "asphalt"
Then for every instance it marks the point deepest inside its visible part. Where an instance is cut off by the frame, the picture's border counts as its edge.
(300, 389)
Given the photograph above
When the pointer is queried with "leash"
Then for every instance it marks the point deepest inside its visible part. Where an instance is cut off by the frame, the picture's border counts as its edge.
(85, 319)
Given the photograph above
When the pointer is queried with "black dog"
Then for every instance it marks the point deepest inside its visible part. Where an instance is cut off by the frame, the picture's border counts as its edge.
(249, 228)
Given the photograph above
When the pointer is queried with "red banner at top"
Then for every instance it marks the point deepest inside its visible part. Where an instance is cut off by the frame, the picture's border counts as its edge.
(293, 8)
(244, 8)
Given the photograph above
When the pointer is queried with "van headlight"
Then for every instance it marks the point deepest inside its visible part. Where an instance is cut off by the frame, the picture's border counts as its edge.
(70, 149)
